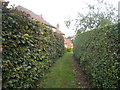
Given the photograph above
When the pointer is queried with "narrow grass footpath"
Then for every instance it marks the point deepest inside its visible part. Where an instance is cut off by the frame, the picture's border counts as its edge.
(61, 74)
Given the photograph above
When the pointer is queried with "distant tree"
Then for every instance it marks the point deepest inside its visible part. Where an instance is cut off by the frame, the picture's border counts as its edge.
(99, 14)
(70, 37)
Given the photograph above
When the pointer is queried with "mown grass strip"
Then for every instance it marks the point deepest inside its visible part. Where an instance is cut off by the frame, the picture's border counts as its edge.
(61, 74)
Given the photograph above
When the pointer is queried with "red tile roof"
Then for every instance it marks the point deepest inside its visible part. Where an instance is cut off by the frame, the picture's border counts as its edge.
(58, 31)
(35, 16)
(67, 41)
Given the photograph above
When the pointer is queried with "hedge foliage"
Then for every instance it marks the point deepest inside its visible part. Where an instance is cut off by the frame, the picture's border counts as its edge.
(29, 49)
(97, 51)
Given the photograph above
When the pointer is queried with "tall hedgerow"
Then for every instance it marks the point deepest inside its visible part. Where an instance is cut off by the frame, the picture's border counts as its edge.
(28, 49)
(98, 53)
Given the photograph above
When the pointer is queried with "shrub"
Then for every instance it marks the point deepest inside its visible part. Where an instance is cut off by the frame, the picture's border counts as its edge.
(97, 51)
(69, 49)
(29, 49)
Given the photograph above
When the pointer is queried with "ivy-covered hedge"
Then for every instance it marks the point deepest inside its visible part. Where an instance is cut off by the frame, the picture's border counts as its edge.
(97, 51)
(29, 49)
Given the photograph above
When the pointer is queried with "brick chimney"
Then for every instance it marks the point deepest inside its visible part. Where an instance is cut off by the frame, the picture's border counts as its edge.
(41, 15)
(58, 26)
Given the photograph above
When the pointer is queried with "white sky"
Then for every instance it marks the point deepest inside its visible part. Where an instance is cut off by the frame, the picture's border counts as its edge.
(57, 11)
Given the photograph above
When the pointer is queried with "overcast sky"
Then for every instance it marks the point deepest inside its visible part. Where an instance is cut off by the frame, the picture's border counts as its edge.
(57, 11)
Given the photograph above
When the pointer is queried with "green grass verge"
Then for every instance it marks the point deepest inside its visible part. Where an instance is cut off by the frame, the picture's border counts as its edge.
(61, 74)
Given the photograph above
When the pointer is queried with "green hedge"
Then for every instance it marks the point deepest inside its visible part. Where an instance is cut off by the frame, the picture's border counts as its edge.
(97, 51)
(29, 49)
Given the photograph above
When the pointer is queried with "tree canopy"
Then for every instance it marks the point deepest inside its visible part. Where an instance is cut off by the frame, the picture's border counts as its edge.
(99, 14)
